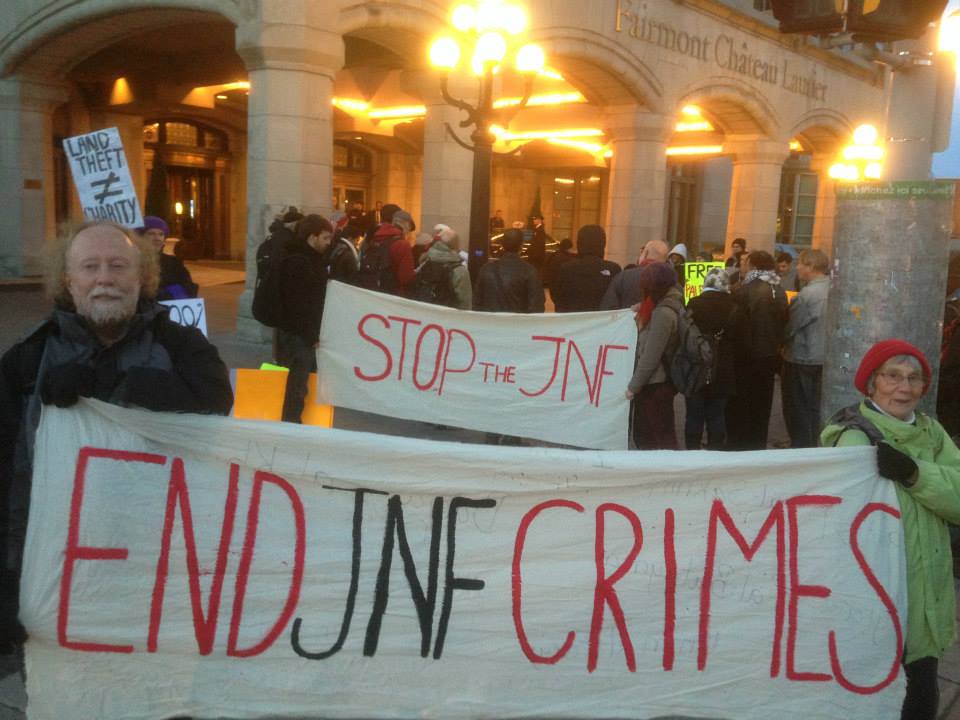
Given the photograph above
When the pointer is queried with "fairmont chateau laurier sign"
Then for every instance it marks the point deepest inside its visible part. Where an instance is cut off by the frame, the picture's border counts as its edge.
(721, 50)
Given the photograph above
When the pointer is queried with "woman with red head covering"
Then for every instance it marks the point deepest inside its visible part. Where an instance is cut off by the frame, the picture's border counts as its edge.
(650, 388)
(917, 454)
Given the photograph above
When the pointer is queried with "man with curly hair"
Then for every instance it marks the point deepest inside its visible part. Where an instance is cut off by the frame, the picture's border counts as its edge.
(107, 339)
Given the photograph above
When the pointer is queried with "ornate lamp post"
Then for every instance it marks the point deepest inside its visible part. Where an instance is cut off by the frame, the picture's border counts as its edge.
(490, 35)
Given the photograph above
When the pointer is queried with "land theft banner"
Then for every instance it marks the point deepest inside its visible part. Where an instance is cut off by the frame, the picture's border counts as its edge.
(210, 567)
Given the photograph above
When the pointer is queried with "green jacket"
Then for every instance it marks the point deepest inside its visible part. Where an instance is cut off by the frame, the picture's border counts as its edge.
(925, 509)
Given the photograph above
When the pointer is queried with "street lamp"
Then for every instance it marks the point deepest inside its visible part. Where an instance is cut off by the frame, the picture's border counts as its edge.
(861, 160)
(488, 35)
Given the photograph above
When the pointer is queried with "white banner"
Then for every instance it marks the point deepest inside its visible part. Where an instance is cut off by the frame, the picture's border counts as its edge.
(190, 312)
(189, 565)
(102, 177)
(559, 378)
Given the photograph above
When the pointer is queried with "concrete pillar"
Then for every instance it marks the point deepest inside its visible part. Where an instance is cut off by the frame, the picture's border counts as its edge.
(447, 167)
(28, 221)
(292, 60)
(754, 191)
(823, 222)
(636, 198)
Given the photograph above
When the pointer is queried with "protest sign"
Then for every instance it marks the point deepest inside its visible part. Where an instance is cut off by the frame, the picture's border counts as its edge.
(190, 312)
(102, 177)
(559, 378)
(695, 273)
(186, 565)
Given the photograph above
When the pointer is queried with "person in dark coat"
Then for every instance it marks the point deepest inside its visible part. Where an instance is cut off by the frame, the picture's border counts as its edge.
(761, 320)
(624, 290)
(714, 313)
(561, 257)
(106, 339)
(509, 284)
(537, 250)
(175, 280)
(581, 284)
(303, 285)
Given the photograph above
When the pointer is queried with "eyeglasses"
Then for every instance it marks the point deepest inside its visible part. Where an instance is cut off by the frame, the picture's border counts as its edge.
(895, 378)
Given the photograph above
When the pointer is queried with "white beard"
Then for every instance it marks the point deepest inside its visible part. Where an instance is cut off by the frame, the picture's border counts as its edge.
(104, 313)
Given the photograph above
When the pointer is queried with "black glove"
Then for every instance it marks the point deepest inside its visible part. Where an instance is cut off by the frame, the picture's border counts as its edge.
(895, 465)
(64, 384)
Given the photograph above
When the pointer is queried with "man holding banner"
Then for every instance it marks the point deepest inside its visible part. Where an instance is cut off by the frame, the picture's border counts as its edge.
(106, 339)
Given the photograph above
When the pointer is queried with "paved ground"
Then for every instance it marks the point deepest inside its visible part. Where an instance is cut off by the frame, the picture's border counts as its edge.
(22, 305)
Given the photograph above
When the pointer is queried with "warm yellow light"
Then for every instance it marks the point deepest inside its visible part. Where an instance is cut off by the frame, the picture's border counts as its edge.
(239, 85)
(564, 181)
(178, 208)
(698, 126)
(445, 53)
(592, 148)
(950, 32)
(348, 105)
(121, 94)
(463, 18)
(507, 136)
(873, 171)
(552, 74)
(530, 58)
(489, 15)
(514, 19)
(691, 111)
(842, 171)
(221, 97)
(489, 50)
(795, 146)
(545, 99)
(694, 149)
(862, 152)
(865, 135)
(400, 111)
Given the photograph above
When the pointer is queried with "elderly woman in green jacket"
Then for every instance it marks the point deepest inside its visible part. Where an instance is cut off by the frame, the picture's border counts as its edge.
(917, 454)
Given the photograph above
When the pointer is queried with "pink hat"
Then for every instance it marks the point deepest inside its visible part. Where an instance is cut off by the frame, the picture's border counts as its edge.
(883, 351)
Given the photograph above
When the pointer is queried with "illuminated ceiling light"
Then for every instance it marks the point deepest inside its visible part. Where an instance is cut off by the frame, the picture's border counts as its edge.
(592, 148)
(401, 111)
(346, 104)
(593, 178)
(865, 135)
(691, 111)
(445, 53)
(564, 181)
(546, 134)
(696, 126)
(239, 85)
(795, 146)
(545, 99)
(695, 150)
(464, 17)
(552, 74)
(530, 58)
(221, 97)
(121, 94)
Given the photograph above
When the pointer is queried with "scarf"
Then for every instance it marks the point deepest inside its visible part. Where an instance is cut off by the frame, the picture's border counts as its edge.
(768, 276)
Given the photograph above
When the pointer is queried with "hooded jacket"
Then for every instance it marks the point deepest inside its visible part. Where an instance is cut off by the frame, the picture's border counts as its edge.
(580, 284)
(655, 340)
(443, 254)
(926, 507)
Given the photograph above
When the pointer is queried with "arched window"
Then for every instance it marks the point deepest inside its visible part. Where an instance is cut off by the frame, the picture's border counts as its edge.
(184, 133)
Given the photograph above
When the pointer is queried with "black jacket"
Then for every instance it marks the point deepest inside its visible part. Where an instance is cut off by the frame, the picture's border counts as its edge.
(580, 285)
(174, 272)
(303, 286)
(508, 285)
(623, 291)
(762, 318)
(714, 312)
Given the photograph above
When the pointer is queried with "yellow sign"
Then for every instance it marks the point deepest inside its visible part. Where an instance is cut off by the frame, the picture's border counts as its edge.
(259, 396)
(695, 273)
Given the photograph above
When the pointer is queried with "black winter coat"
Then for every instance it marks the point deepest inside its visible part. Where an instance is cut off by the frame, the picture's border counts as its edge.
(762, 318)
(714, 312)
(508, 285)
(580, 285)
(174, 272)
(303, 286)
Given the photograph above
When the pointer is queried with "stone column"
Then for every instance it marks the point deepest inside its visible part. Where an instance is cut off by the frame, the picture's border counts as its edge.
(28, 221)
(823, 222)
(637, 190)
(292, 61)
(754, 190)
(447, 167)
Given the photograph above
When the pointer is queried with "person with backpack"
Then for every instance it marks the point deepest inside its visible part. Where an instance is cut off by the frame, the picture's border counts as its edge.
(916, 453)
(650, 389)
(579, 285)
(761, 319)
(342, 258)
(386, 259)
(302, 284)
(442, 278)
(714, 313)
(509, 283)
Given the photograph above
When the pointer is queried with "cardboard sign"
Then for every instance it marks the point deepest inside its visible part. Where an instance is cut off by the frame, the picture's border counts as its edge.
(258, 395)
(190, 312)
(186, 565)
(695, 273)
(559, 378)
(102, 177)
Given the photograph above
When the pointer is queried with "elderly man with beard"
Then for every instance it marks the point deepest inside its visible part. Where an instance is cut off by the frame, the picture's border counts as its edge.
(106, 339)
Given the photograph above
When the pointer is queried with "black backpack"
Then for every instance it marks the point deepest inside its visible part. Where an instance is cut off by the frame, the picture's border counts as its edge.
(267, 306)
(434, 283)
(850, 418)
(691, 364)
(376, 270)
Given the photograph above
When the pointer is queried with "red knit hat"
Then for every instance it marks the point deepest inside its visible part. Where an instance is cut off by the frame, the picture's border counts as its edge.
(883, 351)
